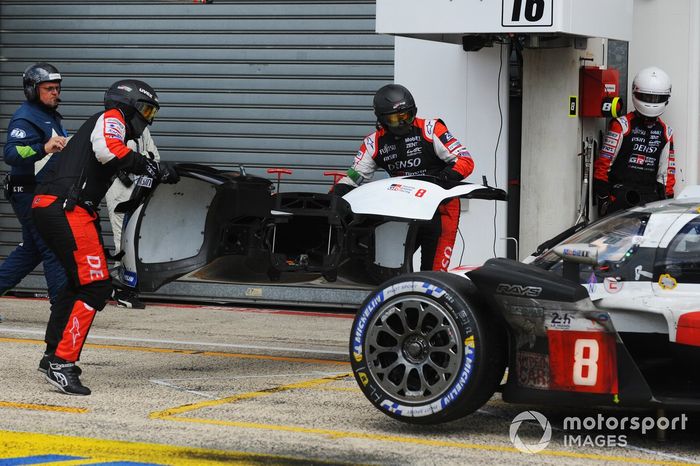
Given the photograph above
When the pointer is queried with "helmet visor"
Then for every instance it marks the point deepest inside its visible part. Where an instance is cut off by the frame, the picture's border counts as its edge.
(399, 119)
(147, 110)
(652, 98)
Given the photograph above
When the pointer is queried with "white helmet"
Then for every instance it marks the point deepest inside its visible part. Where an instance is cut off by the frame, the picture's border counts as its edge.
(651, 91)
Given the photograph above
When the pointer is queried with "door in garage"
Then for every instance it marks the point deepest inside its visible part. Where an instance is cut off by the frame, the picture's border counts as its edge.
(257, 84)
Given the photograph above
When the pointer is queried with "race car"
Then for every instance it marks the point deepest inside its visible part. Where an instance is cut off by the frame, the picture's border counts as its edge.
(234, 227)
(610, 316)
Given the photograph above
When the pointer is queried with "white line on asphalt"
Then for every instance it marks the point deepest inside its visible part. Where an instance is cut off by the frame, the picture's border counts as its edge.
(169, 382)
(183, 389)
(239, 377)
(27, 331)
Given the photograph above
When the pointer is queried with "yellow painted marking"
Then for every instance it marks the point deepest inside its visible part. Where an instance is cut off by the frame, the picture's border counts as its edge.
(171, 415)
(20, 444)
(221, 354)
(35, 407)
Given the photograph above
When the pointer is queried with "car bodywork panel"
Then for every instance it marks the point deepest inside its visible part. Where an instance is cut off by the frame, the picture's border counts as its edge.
(228, 226)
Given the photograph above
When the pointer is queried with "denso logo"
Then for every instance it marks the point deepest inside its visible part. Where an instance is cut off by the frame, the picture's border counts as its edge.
(519, 290)
(402, 164)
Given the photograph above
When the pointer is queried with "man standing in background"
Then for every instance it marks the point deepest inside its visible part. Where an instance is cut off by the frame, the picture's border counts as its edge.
(33, 135)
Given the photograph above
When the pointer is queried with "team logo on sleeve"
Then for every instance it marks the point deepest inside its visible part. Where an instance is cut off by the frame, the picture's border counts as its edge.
(115, 129)
(18, 133)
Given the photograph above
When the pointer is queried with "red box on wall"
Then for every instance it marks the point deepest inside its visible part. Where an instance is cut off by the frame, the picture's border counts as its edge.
(595, 85)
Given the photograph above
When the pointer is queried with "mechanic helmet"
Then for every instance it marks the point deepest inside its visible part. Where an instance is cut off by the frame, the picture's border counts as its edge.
(137, 100)
(395, 108)
(651, 91)
(36, 74)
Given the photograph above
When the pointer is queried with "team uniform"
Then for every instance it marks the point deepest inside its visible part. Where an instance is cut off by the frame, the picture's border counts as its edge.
(31, 126)
(428, 148)
(637, 157)
(65, 213)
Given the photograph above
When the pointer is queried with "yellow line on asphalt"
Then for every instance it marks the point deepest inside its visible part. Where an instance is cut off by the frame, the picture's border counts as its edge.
(220, 354)
(172, 415)
(21, 444)
(36, 407)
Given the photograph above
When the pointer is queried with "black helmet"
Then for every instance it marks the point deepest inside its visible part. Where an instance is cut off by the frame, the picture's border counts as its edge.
(35, 74)
(137, 100)
(395, 108)
(133, 94)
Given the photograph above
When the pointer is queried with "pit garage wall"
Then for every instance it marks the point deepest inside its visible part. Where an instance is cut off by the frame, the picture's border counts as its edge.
(667, 34)
(264, 83)
(462, 88)
(551, 141)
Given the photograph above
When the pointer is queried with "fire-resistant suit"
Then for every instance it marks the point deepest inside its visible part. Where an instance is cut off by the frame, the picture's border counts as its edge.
(428, 148)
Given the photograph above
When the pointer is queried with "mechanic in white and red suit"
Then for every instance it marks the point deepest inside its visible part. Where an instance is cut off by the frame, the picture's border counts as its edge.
(636, 164)
(406, 145)
(65, 212)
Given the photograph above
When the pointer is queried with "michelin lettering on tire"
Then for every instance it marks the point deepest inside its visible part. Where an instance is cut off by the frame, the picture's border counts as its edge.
(360, 332)
(379, 298)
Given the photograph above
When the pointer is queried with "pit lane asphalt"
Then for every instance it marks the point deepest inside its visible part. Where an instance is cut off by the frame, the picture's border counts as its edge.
(205, 385)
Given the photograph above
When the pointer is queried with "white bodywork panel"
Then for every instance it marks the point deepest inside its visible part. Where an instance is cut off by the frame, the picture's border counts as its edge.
(129, 247)
(169, 234)
(447, 20)
(402, 197)
(386, 239)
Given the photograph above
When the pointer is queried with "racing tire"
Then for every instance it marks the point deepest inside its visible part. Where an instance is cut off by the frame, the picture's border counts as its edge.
(424, 349)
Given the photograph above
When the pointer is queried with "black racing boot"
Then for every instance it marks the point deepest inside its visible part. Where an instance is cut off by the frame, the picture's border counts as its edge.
(64, 376)
(128, 299)
(46, 360)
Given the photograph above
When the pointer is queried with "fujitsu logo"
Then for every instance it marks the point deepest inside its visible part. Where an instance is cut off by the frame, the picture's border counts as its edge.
(518, 290)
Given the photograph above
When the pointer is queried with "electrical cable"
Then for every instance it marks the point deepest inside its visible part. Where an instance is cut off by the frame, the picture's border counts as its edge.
(498, 142)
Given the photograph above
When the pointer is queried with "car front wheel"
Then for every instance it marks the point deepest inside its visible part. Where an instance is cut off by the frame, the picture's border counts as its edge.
(423, 351)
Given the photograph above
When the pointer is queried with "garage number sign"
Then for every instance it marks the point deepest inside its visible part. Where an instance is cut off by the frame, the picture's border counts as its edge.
(527, 13)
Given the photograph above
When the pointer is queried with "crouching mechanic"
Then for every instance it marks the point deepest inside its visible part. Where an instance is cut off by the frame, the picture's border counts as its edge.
(65, 213)
(406, 145)
(636, 164)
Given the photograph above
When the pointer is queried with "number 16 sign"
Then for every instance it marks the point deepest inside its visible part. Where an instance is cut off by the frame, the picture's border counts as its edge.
(527, 13)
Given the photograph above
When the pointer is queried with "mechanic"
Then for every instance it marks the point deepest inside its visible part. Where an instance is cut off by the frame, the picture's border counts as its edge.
(406, 145)
(636, 164)
(65, 213)
(34, 134)
(120, 191)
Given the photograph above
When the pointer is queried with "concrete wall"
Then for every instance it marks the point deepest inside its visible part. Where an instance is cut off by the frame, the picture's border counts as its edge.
(462, 89)
(667, 34)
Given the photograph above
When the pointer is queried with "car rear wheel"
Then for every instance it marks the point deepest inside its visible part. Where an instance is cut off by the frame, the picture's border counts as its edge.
(423, 352)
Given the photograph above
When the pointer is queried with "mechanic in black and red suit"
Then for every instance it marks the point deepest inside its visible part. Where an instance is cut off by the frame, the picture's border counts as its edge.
(65, 213)
(406, 145)
(636, 164)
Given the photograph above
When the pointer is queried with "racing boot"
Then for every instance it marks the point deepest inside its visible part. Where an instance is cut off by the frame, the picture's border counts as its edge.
(128, 299)
(64, 376)
(46, 360)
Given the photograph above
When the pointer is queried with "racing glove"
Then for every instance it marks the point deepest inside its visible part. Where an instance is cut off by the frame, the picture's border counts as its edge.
(150, 168)
(341, 189)
(168, 173)
(449, 175)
